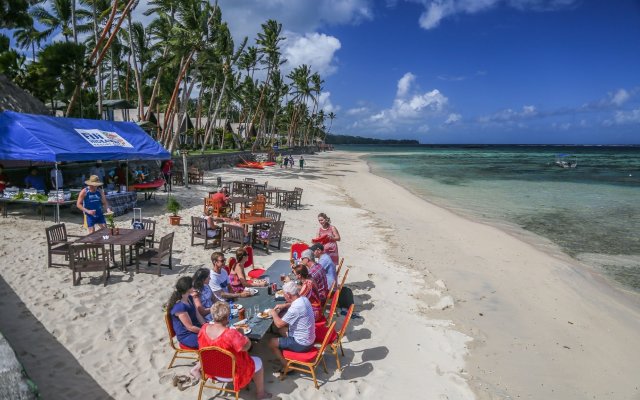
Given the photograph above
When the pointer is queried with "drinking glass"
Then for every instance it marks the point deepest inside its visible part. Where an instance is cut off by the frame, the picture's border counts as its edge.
(282, 277)
(256, 309)
(248, 313)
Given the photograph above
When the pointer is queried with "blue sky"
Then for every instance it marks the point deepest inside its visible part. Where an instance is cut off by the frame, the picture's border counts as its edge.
(484, 71)
(464, 71)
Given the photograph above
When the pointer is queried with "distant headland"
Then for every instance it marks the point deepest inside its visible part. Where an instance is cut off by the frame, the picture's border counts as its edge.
(344, 139)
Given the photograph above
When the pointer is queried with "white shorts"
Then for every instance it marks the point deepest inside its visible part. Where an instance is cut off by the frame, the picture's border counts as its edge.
(258, 366)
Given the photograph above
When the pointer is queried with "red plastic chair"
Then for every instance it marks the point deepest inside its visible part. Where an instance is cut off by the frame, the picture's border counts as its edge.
(297, 249)
(218, 365)
(179, 349)
(335, 338)
(255, 273)
(308, 361)
(232, 263)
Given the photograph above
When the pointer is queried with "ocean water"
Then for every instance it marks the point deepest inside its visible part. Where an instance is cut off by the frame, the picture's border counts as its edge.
(591, 213)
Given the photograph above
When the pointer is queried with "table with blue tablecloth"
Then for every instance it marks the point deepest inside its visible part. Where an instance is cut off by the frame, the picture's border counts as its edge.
(122, 202)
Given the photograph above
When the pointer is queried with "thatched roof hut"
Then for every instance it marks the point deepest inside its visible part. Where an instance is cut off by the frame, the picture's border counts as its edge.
(13, 98)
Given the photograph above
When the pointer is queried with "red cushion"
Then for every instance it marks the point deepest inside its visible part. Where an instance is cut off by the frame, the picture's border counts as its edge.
(183, 347)
(256, 273)
(321, 332)
(304, 357)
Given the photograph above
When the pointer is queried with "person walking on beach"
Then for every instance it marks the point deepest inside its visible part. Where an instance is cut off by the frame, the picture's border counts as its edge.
(292, 163)
(91, 202)
(286, 162)
(279, 160)
(166, 173)
(301, 162)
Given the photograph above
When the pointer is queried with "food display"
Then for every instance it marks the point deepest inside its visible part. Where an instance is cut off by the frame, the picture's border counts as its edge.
(280, 293)
(264, 314)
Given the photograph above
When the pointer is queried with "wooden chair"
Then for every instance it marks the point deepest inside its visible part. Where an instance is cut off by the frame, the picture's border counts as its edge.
(274, 215)
(179, 350)
(199, 230)
(88, 258)
(150, 240)
(255, 209)
(178, 177)
(335, 338)
(308, 361)
(232, 235)
(157, 255)
(273, 234)
(250, 180)
(58, 244)
(196, 176)
(218, 365)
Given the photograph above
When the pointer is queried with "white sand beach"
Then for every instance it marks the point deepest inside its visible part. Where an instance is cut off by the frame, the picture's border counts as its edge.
(452, 308)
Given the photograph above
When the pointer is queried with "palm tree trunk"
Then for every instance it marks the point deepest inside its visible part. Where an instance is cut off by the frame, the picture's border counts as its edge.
(74, 22)
(215, 116)
(136, 72)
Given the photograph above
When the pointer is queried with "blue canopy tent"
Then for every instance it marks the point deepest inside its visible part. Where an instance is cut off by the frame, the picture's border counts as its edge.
(42, 138)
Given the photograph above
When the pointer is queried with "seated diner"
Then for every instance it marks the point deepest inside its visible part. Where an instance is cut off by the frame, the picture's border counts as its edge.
(219, 334)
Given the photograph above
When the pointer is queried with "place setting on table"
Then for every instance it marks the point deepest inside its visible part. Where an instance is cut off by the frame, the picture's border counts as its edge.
(252, 314)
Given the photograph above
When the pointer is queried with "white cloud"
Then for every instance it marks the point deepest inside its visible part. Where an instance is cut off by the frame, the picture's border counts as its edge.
(627, 117)
(620, 97)
(405, 83)
(452, 119)
(314, 49)
(509, 115)
(357, 111)
(410, 108)
(324, 103)
(437, 10)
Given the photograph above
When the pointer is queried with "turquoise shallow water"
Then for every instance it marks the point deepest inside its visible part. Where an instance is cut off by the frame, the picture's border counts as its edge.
(592, 212)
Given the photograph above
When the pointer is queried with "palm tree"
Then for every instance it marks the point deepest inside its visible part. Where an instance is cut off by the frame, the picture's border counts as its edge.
(28, 37)
(58, 18)
(331, 116)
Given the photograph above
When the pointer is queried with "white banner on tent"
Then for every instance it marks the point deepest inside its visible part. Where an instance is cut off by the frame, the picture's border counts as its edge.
(100, 138)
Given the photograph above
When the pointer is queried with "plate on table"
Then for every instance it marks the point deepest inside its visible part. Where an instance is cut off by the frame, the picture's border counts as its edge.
(280, 294)
(237, 306)
(264, 314)
(251, 290)
(242, 327)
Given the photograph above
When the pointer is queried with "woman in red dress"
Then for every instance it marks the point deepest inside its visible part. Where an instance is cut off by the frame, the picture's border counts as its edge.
(329, 235)
(220, 335)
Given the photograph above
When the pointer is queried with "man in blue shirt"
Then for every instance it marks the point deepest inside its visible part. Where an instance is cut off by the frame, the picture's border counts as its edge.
(33, 180)
(326, 262)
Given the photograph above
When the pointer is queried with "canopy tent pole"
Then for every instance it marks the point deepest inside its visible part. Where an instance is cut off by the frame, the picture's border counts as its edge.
(57, 217)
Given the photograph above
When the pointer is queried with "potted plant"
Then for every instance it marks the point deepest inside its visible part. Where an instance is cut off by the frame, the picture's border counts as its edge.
(173, 206)
(110, 223)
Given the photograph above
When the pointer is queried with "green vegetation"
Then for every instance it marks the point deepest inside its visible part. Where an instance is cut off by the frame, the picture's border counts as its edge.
(173, 206)
(105, 54)
(343, 139)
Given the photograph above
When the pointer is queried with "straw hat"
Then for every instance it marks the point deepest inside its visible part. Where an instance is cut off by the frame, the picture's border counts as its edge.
(94, 180)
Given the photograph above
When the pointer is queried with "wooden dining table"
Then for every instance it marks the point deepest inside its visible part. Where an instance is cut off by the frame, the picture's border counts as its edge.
(126, 237)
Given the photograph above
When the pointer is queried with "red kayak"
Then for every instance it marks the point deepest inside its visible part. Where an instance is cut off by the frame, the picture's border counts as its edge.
(250, 165)
(149, 185)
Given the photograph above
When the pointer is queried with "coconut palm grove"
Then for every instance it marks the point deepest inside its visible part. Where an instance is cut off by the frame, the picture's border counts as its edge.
(80, 57)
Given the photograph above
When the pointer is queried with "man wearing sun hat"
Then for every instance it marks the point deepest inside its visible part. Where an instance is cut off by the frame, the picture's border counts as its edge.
(91, 202)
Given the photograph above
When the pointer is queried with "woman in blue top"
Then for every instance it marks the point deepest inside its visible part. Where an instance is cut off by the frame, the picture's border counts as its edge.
(185, 318)
(203, 298)
(90, 202)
